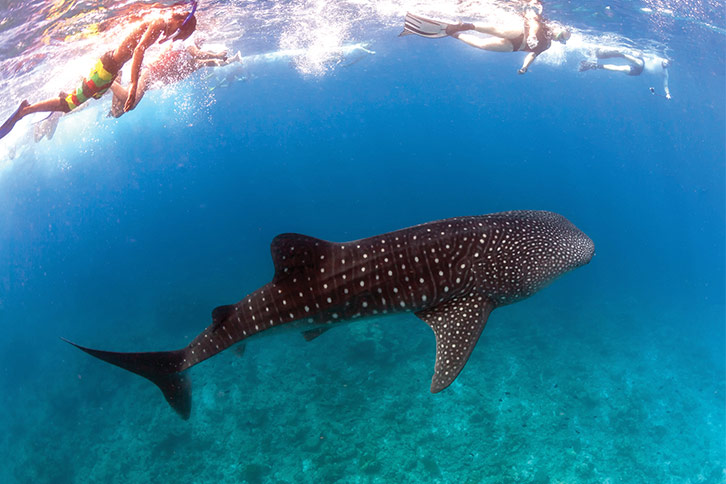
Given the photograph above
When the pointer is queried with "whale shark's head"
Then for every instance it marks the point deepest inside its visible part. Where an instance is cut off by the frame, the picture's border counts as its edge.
(583, 250)
(537, 248)
(562, 247)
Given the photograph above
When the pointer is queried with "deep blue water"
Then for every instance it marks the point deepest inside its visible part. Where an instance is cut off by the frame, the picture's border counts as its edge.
(125, 234)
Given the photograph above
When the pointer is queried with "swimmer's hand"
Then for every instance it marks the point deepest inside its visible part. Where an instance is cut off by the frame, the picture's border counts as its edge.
(668, 95)
(522, 70)
(131, 99)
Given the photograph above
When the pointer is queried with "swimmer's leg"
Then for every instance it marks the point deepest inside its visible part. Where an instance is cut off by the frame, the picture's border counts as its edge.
(14, 118)
(490, 44)
(503, 32)
(608, 53)
(144, 85)
(209, 63)
(46, 127)
(616, 68)
(634, 60)
(49, 105)
(235, 58)
(217, 60)
(118, 100)
(120, 94)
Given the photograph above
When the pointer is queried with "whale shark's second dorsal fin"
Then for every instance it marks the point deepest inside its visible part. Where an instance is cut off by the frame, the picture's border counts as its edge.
(293, 253)
(457, 324)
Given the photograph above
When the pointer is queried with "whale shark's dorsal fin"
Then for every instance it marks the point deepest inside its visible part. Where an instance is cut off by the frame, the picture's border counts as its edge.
(457, 324)
(292, 253)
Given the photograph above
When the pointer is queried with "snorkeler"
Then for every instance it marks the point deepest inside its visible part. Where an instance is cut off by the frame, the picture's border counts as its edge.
(172, 66)
(635, 64)
(533, 34)
(177, 26)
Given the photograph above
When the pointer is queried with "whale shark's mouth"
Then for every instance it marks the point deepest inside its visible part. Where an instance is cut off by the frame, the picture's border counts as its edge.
(589, 250)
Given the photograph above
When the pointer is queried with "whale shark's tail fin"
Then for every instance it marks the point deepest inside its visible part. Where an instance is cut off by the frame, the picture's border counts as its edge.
(163, 368)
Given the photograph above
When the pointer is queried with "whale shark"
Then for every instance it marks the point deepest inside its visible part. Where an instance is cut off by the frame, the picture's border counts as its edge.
(450, 273)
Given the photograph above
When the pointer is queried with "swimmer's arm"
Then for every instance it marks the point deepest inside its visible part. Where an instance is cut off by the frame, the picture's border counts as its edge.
(152, 33)
(534, 29)
(665, 83)
(534, 6)
(150, 36)
(205, 54)
(527, 62)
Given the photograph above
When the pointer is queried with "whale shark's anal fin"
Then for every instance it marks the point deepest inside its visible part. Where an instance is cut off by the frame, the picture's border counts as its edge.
(311, 334)
(161, 367)
(457, 324)
(220, 315)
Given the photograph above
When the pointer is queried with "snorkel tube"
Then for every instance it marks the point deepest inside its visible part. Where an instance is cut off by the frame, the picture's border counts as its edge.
(195, 3)
(179, 33)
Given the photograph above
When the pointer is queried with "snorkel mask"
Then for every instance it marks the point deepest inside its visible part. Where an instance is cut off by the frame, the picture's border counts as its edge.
(190, 23)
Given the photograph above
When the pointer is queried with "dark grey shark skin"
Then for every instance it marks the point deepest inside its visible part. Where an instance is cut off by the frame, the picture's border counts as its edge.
(450, 273)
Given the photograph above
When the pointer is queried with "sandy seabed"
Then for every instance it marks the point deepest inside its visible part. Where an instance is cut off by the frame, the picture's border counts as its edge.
(585, 393)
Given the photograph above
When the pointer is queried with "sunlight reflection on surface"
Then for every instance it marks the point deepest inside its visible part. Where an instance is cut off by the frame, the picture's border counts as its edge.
(61, 39)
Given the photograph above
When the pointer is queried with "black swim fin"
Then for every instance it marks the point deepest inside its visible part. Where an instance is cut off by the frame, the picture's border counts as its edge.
(423, 26)
(14, 118)
(161, 367)
(588, 65)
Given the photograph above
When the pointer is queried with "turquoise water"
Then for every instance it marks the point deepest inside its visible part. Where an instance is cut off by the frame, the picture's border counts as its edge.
(125, 234)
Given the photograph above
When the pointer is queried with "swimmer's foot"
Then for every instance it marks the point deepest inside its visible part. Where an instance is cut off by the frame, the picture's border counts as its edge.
(117, 107)
(14, 118)
(40, 129)
(588, 65)
(454, 28)
(235, 58)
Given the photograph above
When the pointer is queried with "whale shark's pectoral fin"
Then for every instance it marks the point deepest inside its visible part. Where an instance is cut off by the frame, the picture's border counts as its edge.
(457, 324)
